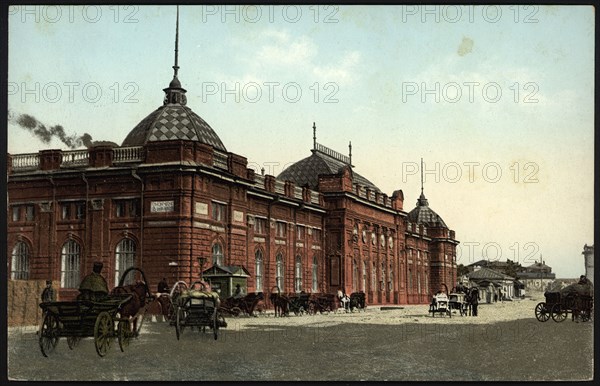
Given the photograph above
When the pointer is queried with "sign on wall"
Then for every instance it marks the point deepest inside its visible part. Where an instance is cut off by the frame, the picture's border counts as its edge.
(202, 208)
(162, 206)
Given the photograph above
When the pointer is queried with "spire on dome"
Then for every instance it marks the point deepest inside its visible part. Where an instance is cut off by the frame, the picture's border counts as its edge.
(175, 93)
(422, 201)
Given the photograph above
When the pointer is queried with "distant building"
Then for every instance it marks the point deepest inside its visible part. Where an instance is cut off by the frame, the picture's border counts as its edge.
(588, 255)
(492, 283)
(537, 276)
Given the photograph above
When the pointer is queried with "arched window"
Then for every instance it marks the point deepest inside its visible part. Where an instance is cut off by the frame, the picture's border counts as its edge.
(19, 268)
(279, 272)
(124, 259)
(217, 254)
(409, 280)
(418, 283)
(315, 274)
(426, 283)
(390, 279)
(298, 274)
(258, 271)
(382, 276)
(70, 258)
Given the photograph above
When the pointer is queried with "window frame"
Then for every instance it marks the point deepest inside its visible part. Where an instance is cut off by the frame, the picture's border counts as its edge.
(20, 258)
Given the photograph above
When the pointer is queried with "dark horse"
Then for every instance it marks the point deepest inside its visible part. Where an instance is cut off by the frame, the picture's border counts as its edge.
(135, 308)
(280, 302)
(471, 297)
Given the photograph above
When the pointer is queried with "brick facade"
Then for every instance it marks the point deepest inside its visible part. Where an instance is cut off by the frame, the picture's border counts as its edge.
(166, 196)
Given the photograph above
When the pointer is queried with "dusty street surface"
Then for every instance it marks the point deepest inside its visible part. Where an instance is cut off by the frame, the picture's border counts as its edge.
(505, 342)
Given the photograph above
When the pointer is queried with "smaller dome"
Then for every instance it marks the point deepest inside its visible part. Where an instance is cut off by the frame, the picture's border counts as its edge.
(423, 214)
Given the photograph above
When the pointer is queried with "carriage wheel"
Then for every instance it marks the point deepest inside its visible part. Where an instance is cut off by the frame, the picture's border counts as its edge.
(179, 319)
(49, 334)
(236, 311)
(73, 341)
(559, 313)
(103, 333)
(541, 312)
(215, 325)
(124, 334)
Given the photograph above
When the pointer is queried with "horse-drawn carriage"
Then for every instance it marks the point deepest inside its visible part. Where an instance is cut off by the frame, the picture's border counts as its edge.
(197, 306)
(96, 318)
(458, 301)
(245, 305)
(575, 299)
(358, 301)
(299, 304)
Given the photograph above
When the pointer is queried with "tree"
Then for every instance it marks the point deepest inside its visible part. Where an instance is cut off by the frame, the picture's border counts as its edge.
(513, 268)
(461, 270)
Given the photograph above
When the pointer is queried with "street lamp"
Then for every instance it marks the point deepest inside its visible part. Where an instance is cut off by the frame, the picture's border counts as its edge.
(201, 261)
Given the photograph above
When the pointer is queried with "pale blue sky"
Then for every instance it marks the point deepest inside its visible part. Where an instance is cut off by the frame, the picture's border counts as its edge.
(373, 63)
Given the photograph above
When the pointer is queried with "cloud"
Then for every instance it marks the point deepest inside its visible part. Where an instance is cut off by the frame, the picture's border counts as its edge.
(283, 50)
(466, 46)
(342, 72)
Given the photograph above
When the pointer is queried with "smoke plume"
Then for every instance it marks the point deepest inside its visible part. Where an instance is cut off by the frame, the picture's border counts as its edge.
(45, 134)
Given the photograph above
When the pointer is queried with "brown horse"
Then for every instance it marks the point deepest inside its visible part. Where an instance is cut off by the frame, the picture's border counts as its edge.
(280, 303)
(136, 306)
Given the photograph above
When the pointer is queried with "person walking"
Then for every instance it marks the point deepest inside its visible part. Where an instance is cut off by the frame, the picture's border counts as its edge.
(474, 300)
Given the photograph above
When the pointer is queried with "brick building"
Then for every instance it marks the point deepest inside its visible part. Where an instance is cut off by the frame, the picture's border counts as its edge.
(172, 195)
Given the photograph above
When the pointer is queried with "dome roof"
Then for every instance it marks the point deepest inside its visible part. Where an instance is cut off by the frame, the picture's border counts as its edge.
(423, 214)
(307, 170)
(173, 121)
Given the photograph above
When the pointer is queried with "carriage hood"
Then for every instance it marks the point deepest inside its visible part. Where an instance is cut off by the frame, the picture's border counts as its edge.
(579, 289)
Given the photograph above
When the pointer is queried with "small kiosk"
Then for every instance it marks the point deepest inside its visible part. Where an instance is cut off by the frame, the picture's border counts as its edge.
(223, 279)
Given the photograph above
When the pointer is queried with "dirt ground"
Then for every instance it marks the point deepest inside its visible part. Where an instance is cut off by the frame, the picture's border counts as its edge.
(504, 343)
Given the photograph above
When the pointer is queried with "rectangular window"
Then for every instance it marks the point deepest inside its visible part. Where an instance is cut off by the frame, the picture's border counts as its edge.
(316, 233)
(260, 226)
(134, 208)
(218, 211)
(299, 232)
(80, 210)
(16, 213)
(29, 212)
(281, 226)
(120, 209)
(65, 211)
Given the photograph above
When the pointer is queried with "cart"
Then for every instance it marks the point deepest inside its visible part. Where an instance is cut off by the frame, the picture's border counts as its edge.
(440, 304)
(75, 320)
(197, 307)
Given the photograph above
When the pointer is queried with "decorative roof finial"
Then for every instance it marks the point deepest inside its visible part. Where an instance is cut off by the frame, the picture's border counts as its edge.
(175, 93)
(422, 201)
(350, 152)
(176, 67)
(421, 175)
(314, 135)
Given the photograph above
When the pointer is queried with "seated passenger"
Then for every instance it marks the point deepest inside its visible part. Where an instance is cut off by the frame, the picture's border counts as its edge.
(93, 286)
